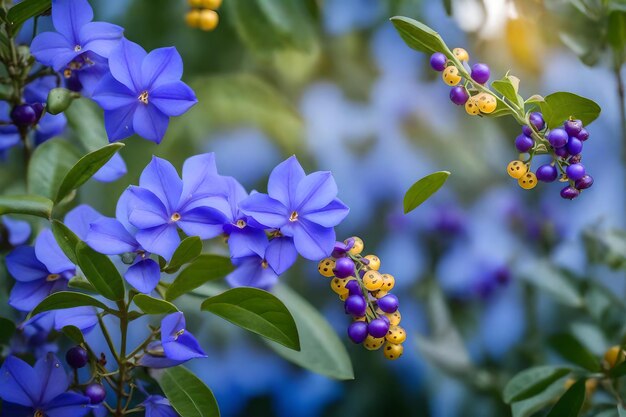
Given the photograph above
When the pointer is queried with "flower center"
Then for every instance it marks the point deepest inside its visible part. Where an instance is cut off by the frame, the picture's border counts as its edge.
(179, 333)
(293, 217)
(175, 217)
(264, 264)
(52, 277)
(77, 48)
(143, 97)
(240, 224)
(38, 413)
(67, 73)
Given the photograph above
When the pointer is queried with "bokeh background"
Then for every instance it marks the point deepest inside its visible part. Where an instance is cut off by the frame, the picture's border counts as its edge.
(332, 82)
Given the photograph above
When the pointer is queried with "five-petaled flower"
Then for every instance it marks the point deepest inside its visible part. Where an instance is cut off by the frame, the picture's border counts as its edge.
(253, 270)
(158, 406)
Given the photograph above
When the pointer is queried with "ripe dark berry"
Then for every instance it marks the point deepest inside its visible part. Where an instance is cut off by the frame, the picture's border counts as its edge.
(574, 146)
(357, 331)
(527, 131)
(354, 288)
(558, 138)
(583, 134)
(96, 393)
(459, 95)
(547, 173)
(536, 119)
(562, 152)
(38, 107)
(77, 357)
(23, 115)
(575, 171)
(388, 303)
(344, 267)
(573, 127)
(355, 305)
(438, 61)
(569, 193)
(524, 143)
(584, 183)
(378, 328)
(480, 73)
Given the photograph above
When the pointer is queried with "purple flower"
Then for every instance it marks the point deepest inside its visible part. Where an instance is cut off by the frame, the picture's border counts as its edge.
(253, 271)
(157, 406)
(9, 136)
(142, 92)
(40, 390)
(17, 231)
(302, 207)
(177, 345)
(39, 271)
(163, 203)
(78, 45)
(113, 170)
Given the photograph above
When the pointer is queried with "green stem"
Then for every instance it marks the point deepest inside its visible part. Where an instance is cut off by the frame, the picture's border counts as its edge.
(107, 338)
(120, 409)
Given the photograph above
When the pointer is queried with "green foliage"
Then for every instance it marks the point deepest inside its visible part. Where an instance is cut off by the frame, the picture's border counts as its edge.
(74, 334)
(67, 299)
(606, 247)
(59, 99)
(100, 272)
(86, 120)
(150, 305)
(570, 404)
(571, 349)
(257, 311)
(7, 329)
(555, 283)
(33, 205)
(531, 382)
(23, 11)
(558, 107)
(419, 36)
(530, 406)
(66, 239)
(203, 269)
(188, 250)
(423, 189)
(48, 165)
(189, 396)
(508, 86)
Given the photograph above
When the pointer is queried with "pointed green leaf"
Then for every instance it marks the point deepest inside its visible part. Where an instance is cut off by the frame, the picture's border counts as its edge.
(531, 382)
(257, 311)
(74, 334)
(558, 107)
(66, 239)
(189, 396)
(150, 305)
(188, 250)
(203, 269)
(419, 36)
(570, 404)
(571, 349)
(81, 283)
(530, 406)
(423, 189)
(23, 11)
(100, 272)
(66, 299)
(33, 205)
(85, 118)
(49, 164)
(508, 86)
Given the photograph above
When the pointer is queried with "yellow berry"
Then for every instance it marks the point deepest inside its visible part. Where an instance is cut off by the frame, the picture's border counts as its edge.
(388, 282)
(195, 3)
(451, 75)
(338, 285)
(396, 334)
(486, 103)
(208, 20)
(373, 343)
(613, 356)
(380, 293)
(374, 262)
(517, 169)
(326, 266)
(192, 18)
(461, 54)
(358, 246)
(393, 351)
(471, 106)
(344, 296)
(372, 280)
(211, 4)
(528, 181)
(394, 318)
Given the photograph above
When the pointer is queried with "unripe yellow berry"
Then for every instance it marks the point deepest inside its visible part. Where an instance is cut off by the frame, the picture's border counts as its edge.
(394, 318)
(192, 18)
(374, 262)
(393, 351)
(326, 266)
(486, 103)
(208, 20)
(451, 75)
(358, 246)
(528, 181)
(373, 343)
(372, 280)
(380, 293)
(613, 356)
(388, 282)
(211, 4)
(338, 285)
(471, 106)
(516, 169)
(396, 334)
(461, 54)
(344, 296)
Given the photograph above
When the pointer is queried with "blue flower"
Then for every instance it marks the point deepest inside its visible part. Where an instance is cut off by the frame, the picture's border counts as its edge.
(302, 207)
(253, 271)
(9, 135)
(38, 391)
(78, 45)
(163, 203)
(113, 170)
(17, 231)
(157, 406)
(142, 92)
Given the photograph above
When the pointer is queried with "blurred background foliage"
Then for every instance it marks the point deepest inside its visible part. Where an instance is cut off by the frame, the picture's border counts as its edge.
(486, 270)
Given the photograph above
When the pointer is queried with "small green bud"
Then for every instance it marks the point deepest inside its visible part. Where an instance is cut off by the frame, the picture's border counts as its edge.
(59, 99)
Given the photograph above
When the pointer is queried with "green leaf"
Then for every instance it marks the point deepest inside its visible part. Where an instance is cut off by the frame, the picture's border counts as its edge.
(549, 279)
(81, 283)
(189, 396)
(570, 404)
(150, 305)
(66, 239)
(23, 11)
(558, 107)
(85, 118)
(530, 406)
(85, 168)
(606, 246)
(616, 32)
(74, 334)
(419, 36)
(100, 272)
(188, 250)
(571, 349)
(257, 311)
(7, 329)
(618, 371)
(423, 189)
(33, 205)
(447, 5)
(48, 165)
(203, 269)
(66, 299)
(509, 87)
(531, 382)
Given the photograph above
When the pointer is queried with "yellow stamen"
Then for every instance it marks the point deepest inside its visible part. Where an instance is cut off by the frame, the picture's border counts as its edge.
(293, 217)
(179, 333)
(52, 277)
(175, 217)
(264, 264)
(67, 73)
(38, 413)
(143, 97)
(77, 48)
(240, 224)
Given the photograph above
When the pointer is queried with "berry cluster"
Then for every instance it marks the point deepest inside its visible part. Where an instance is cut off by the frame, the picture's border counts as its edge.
(565, 144)
(203, 14)
(469, 93)
(367, 298)
(77, 357)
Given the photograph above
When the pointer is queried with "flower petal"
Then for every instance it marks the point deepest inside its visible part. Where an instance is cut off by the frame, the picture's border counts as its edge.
(315, 191)
(119, 122)
(281, 254)
(205, 222)
(19, 382)
(125, 63)
(161, 178)
(145, 209)
(186, 347)
(201, 182)
(53, 50)
(150, 123)
(144, 275)
(251, 273)
(247, 241)
(173, 98)
(329, 216)
(108, 236)
(24, 266)
(265, 210)
(161, 66)
(68, 404)
(123, 209)
(25, 296)
(84, 318)
(113, 170)
(69, 16)
(80, 218)
(284, 181)
(313, 241)
(18, 230)
(162, 240)
(111, 94)
(100, 37)
(172, 324)
(52, 378)
(50, 254)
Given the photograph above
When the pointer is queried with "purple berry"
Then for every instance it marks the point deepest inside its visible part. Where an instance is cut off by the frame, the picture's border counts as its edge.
(378, 328)
(547, 173)
(527, 131)
(23, 115)
(503, 275)
(583, 134)
(536, 119)
(355, 305)
(575, 171)
(569, 193)
(584, 183)
(388, 303)
(77, 357)
(524, 143)
(344, 267)
(354, 288)
(38, 107)
(438, 61)
(573, 127)
(480, 73)
(96, 393)
(562, 152)
(558, 138)
(459, 95)
(574, 146)
(386, 319)
(575, 159)
(357, 331)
